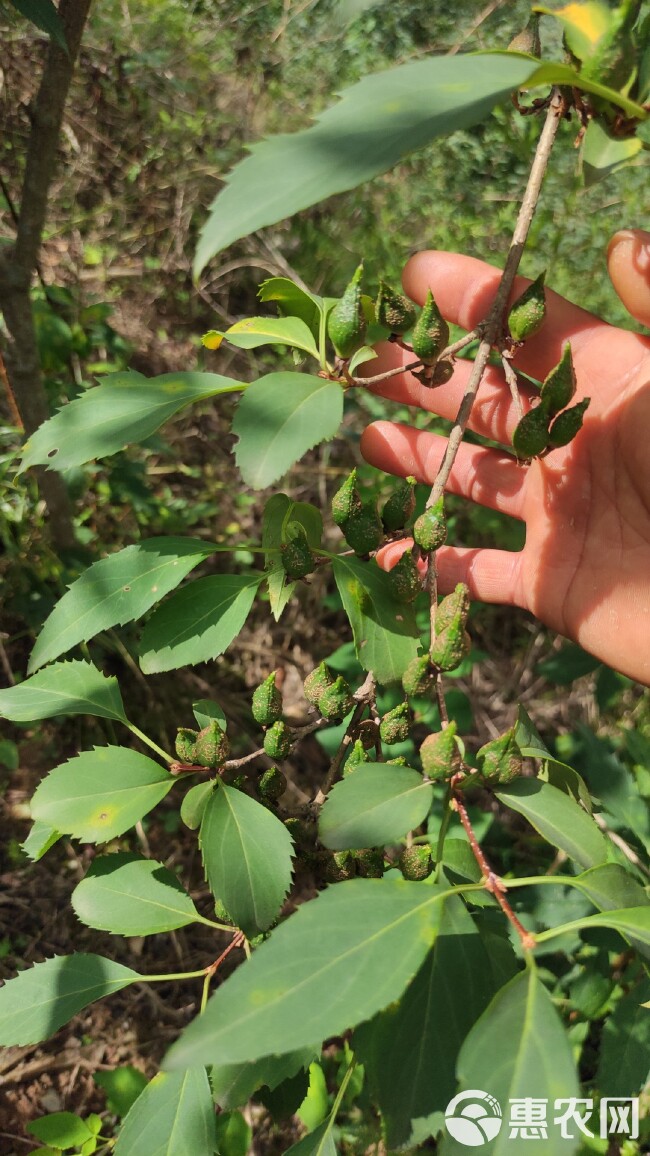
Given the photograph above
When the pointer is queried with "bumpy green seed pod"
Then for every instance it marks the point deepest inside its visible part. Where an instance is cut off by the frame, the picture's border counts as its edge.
(370, 862)
(415, 862)
(453, 608)
(393, 310)
(301, 833)
(278, 741)
(336, 701)
(501, 760)
(440, 754)
(185, 744)
(267, 702)
(347, 500)
(364, 531)
(394, 726)
(560, 385)
(404, 579)
(526, 317)
(450, 647)
(398, 509)
(430, 529)
(567, 425)
(272, 784)
(317, 683)
(346, 324)
(400, 761)
(418, 677)
(212, 747)
(357, 757)
(296, 556)
(430, 332)
(530, 437)
(220, 913)
(341, 866)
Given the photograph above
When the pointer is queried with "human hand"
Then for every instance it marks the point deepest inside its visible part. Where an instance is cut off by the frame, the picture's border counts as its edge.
(585, 567)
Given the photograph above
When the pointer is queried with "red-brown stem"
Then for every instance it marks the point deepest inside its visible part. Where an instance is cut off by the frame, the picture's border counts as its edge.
(236, 941)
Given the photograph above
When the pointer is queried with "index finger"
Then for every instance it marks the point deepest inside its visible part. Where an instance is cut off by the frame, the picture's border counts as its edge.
(464, 289)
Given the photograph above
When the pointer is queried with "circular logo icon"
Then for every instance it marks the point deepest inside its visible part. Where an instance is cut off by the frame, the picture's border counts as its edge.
(473, 1118)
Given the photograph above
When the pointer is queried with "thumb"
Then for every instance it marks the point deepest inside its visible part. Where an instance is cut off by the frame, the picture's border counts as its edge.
(628, 262)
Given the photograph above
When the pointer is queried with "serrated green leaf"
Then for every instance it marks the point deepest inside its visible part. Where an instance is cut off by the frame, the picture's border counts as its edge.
(128, 895)
(44, 15)
(65, 688)
(101, 793)
(60, 1129)
(173, 1116)
(40, 839)
(116, 590)
(533, 1061)
(124, 409)
(234, 1084)
(292, 301)
(384, 630)
(279, 418)
(41, 999)
(333, 964)
(247, 858)
(255, 331)
(558, 819)
(198, 623)
(624, 1063)
(376, 805)
(194, 804)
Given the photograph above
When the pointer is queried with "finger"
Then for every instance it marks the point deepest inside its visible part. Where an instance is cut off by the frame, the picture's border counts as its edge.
(490, 575)
(494, 414)
(485, 476)
(464, 289)
(628, 262)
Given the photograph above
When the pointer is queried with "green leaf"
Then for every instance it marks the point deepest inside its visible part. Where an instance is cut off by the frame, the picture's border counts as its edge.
(633, 923)
(122, 1086)
(366, 353)
(279, 418)
(61, 1130)
(247, 858)
(198, 623)
(174, 1116)
(204, 711)
(9, 755)
(320, 1142)
(610, 887)
(41, 999)
(65, 688)
(570, 661)
(44, 15)
(234, 1084)
(195, 802)
(116, 590)
(99, 794)
(374, 125)
(292, 301)
(40, 839)
(624, 1062)
(125, 408)
(611, 782)
(255, 331)
(533, 1060)
(559, 775)
(234, 1134)
(128, 895)
(558, 819)
(333, 964)
(603, 154)
(410, 1050)
(279, 511)
(376, 805)
(385, 633)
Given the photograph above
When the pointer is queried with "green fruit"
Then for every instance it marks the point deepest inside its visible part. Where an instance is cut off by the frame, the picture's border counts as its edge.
(336, 701)
(501, 760)
(358, 755)
(450, 647)
(221, 915)
(440, 755)
(528, 40)
(430, 332)
(347, 500)
(272, 784)
(212, 747)
(560, 385)
(393, 310)
(400, 761)
(530, 437)
(339, 867)
(317, 683)
(346, 324)
(185, 744)
(415, 862)
(278, 741)
(267, 702)
(364, 531)
(399, 507)
(526, 317)
(296, 556)
(404, 579)
(394, 726)
(370, 862)
(453, 608)
(418, 678)
(568, 424)
(430, 529)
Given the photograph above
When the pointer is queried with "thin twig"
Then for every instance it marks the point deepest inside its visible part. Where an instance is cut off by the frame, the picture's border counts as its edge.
(513, 385)
(364, 695)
